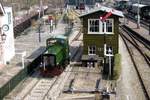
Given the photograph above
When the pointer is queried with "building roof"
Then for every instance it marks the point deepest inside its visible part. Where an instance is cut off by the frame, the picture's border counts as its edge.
(2, 11)
(90, 57)
(77, 2)
(121, 0)
(139, 5)
(104, 9)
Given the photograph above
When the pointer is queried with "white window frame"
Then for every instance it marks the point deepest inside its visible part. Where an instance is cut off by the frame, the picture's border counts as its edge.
(105, 30)
(91, 50)
(101, 27)
(106, 48)
(89, 32)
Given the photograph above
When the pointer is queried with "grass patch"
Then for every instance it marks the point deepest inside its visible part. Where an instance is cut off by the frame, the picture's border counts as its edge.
(117, 66)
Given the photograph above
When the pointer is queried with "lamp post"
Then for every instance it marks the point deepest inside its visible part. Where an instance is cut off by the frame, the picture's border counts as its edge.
(39, 31)
(138, 15)
(3, 37)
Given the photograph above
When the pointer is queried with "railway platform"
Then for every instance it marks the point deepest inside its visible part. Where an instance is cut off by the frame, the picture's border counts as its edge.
(141, 31)
(27, 49)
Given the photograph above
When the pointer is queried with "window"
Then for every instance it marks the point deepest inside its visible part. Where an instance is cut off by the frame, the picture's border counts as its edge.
(108, 26)
(96, 26)
(91, 50)
(93, 25)
(108, 50)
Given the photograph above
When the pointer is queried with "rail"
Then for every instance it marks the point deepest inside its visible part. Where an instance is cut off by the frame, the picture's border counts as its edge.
(144, 23)
(38, 85)
(128, 42)
(135, 37)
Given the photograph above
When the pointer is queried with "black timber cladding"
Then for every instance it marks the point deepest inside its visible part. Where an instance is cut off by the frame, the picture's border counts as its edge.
(98, 39)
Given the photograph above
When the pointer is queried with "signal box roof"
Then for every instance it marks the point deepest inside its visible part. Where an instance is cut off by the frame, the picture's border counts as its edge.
(104, 9)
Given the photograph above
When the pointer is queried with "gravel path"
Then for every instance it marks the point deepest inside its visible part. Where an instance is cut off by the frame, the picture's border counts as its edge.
(128, 87)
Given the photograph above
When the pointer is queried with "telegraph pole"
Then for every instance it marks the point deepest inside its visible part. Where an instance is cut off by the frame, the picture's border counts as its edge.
(39, 31)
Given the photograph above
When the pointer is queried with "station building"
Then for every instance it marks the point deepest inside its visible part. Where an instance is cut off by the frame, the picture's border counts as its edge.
(96, 33)
(7, 49)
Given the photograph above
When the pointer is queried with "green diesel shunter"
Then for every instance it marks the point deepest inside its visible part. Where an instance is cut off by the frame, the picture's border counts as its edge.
(56, 56)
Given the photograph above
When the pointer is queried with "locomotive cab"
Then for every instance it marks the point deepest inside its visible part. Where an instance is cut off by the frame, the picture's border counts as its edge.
(48, 60)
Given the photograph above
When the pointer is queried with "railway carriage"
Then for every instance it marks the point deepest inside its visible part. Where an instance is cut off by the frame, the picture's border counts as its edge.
(144, 10)
(56, 57)
(121, 4)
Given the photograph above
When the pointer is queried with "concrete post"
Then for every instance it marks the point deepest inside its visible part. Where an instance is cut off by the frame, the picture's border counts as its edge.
(138, 16)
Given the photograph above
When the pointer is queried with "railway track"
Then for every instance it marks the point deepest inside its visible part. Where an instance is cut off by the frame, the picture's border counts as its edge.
(139, 59)
(48, 88)
(41, 88)
(144, 23)
(141, 44)
(74, 13)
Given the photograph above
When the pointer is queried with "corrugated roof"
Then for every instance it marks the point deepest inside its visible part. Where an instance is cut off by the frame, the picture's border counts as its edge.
(104, 9)
(2, 11)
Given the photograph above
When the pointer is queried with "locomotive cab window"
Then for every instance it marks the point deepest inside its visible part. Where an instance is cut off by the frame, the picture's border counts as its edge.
(51, 42)
(49, 61)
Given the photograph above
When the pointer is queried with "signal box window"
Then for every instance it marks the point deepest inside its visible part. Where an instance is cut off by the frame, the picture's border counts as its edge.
(93, 26)
(109, 50)
(108, 27)
(92, 50)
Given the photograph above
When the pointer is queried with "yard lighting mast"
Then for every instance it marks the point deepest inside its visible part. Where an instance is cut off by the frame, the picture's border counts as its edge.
(138, 15)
